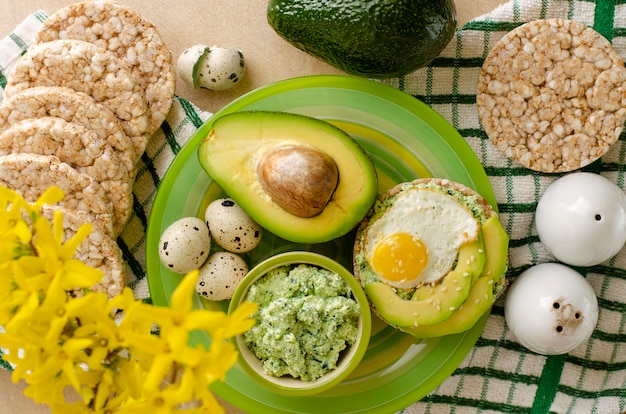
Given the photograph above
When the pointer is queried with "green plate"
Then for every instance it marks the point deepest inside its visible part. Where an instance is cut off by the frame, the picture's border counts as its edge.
(405, 140)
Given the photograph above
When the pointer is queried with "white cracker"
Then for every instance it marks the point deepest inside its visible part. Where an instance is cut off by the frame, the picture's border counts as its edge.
(552, 95)
(71, 106)
(132, 38)
(99, 250)
(79, 147)
(87, 68)
(31, 175)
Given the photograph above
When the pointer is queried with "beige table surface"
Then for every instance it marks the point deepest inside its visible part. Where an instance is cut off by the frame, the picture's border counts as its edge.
(183, 23)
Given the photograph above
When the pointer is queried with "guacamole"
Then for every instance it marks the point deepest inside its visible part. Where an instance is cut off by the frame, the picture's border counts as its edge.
(306, 318)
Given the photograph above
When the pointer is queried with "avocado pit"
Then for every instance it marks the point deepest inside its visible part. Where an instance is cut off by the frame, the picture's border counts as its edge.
(300, 179)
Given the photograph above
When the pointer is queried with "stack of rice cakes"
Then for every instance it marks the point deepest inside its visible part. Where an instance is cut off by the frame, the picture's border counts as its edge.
(78, 111)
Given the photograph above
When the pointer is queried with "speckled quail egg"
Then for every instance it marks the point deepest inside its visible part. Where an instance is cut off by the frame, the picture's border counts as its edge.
(185, 245)
(230, 226)
(581, 219)
(220, 275)
(551, 309)
(214, 68)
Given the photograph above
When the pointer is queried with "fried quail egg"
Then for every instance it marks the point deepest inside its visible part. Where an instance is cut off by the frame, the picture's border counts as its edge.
(416, 240)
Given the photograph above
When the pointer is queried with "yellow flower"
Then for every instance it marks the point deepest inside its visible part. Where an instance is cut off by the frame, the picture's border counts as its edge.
(14, 231)
(56, 256)
(118, 354)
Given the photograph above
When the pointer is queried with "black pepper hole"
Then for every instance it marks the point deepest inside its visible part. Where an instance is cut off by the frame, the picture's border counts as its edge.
(577, 315)
(559, 328)
(598, 217)
(228, 203)
(165, 245)
(556, 305)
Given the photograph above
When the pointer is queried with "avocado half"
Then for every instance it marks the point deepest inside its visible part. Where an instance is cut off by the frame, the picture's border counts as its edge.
(459, 299)
(374, 39)
(236, 144)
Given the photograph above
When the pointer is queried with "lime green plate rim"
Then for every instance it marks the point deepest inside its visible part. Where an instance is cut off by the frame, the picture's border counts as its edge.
(480, 183)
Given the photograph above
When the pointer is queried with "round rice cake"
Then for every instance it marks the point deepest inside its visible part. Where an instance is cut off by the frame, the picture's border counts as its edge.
(31, 175)
(99, 250)
(552, 95)
(82, 149)
(71, 106)
(85, 67)
(126, 34)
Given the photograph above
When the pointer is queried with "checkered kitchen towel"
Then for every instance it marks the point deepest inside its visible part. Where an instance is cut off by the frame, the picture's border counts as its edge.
(499, 375)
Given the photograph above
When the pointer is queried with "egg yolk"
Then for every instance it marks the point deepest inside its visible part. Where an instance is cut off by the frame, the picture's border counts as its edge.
(399, 257)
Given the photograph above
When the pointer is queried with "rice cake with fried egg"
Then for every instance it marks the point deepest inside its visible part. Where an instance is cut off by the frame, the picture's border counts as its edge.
(470, 211)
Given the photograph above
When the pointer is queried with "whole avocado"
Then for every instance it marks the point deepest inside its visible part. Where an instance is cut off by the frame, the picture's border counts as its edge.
(374, 39)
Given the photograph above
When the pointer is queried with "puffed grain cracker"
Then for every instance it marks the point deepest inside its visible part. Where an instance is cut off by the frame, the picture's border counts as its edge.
(99, 250)
(552, 95)
(82, 149)
(71, 106)
(129, 36)
(31, 175)
(85, 67)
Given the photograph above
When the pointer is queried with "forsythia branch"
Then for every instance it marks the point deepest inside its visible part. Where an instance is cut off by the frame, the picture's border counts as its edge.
(104, 349)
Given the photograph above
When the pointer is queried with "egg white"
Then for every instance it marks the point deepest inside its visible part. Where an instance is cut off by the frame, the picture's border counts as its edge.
(438, 220)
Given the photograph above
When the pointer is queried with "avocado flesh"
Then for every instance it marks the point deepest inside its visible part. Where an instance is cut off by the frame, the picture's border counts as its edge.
(375, 39)
(496, 248)
(481, 295)
(477, 303)
(438, 305)
(235, 144)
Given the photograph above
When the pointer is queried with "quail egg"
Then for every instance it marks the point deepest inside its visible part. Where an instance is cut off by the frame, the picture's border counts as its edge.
(220, 276)
(185, 245)
(230, 226)
(581, 219)
(214, 68)
(551, 309)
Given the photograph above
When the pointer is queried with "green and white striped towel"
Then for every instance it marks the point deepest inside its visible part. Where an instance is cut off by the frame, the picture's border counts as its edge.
(499, 375)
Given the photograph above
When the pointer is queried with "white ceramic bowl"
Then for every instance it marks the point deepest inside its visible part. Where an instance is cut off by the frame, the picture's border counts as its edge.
(350, 357)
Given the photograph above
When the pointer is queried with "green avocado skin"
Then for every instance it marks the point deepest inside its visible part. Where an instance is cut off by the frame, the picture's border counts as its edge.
(374, 39)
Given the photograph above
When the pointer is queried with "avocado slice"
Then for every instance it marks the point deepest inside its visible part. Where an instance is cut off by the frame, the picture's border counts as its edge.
(439, 304)
(496, 248)
(478, 301)
(237, 144)
(481, 296)
(374, 39)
